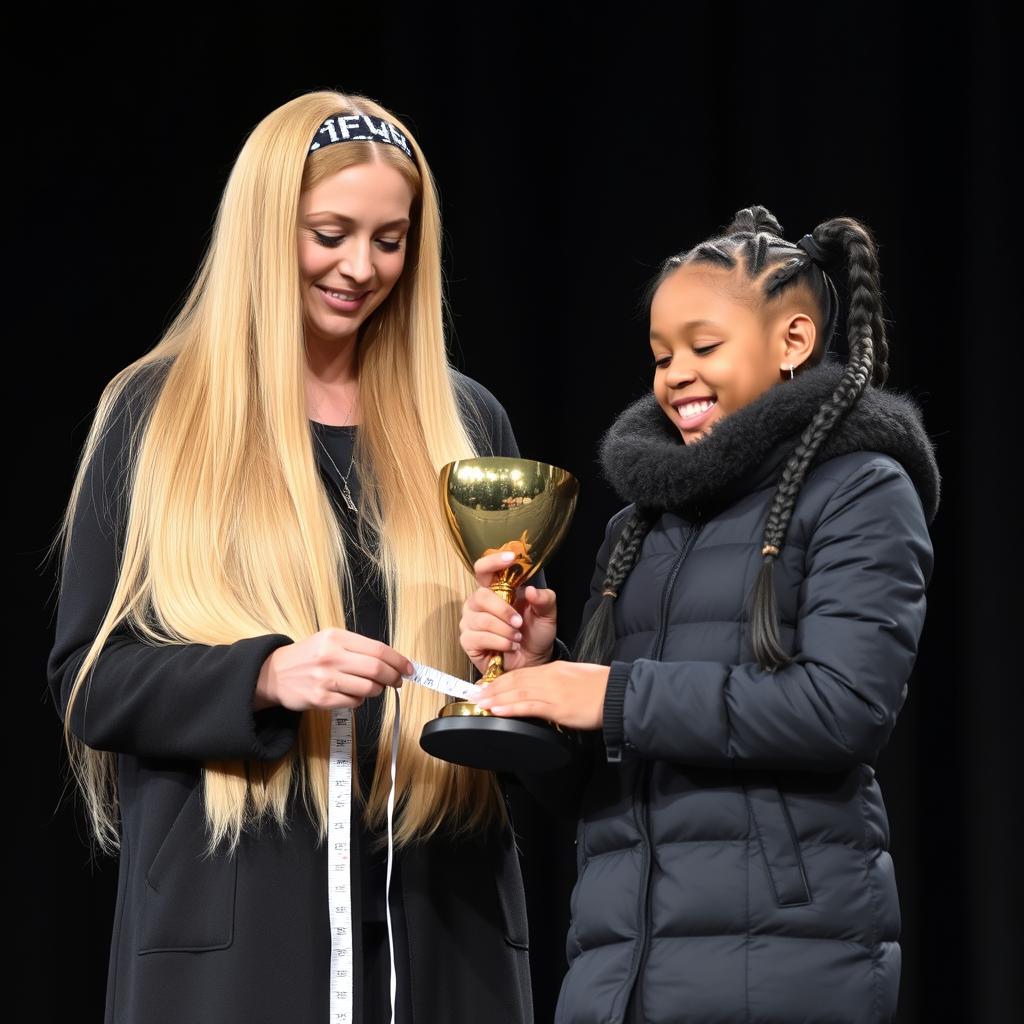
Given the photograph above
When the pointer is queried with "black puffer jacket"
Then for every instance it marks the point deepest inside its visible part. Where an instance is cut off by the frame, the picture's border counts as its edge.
(734, 865)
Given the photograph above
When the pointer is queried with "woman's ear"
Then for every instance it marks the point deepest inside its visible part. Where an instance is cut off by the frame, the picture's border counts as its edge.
(799, 337)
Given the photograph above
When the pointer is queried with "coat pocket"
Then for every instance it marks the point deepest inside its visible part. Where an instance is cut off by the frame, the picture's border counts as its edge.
(189, 901)
(780, 847)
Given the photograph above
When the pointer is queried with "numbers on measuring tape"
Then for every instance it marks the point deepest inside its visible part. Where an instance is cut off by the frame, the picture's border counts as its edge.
(339, 783)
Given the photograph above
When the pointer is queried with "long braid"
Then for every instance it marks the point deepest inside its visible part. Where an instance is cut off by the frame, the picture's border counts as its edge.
(597, 640)
(855, 241)
(863, 319)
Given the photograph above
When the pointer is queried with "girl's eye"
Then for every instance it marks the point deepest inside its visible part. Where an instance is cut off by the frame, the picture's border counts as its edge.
(660, 364)
(705, 349)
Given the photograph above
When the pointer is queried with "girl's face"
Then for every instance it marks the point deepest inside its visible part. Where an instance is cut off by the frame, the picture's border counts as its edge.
(352, 232)
(713, 354)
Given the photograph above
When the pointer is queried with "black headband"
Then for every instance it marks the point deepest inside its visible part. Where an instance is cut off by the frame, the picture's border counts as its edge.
(820, 258)
(343, 127)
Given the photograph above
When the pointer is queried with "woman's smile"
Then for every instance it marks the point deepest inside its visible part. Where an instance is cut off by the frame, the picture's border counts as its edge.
(343, 301)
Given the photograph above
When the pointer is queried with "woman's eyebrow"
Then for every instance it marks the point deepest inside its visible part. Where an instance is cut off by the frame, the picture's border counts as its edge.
(400, 223)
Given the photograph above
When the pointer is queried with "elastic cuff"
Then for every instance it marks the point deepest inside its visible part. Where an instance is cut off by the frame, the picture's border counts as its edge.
(614, 702)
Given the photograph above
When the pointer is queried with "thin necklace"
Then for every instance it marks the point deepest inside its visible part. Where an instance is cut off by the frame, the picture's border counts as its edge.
(345, 492)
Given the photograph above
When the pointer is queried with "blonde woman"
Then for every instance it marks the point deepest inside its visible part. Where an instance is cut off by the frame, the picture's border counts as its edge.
(253, 539)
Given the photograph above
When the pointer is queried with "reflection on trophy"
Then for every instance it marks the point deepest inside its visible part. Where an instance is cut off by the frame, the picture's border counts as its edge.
(501, 504)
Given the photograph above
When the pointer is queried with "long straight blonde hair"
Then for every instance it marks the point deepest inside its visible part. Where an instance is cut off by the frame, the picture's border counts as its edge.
(229, 532)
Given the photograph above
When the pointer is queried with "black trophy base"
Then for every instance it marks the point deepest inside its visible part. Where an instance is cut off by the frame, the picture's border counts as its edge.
(497, 744)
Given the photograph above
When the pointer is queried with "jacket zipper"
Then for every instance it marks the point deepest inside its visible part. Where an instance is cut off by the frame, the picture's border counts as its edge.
(645, 779)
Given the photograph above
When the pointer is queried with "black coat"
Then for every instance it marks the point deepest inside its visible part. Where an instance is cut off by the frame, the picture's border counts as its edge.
(246, 939)
(734, 865)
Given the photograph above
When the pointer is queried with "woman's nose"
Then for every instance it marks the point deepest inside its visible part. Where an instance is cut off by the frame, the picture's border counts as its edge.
(356, 262)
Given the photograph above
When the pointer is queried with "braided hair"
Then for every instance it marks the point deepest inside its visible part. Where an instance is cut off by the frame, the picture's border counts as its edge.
(754, 242)
(596, 641)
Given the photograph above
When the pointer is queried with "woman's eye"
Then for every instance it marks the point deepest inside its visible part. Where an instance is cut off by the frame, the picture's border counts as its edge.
(333, 241)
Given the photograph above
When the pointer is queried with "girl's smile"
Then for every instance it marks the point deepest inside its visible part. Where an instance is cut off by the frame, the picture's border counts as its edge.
(693, 413)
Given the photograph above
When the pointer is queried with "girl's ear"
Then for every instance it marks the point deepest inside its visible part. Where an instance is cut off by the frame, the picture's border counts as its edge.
(799, 337)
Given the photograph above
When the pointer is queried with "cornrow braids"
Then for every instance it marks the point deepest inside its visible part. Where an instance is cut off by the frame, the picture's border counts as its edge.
(754, 242)
(597, 640)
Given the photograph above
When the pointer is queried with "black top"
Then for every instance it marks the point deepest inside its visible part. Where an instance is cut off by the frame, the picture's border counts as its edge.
(370, 620)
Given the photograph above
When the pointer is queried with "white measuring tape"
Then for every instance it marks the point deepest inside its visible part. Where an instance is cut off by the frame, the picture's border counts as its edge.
(339, 853)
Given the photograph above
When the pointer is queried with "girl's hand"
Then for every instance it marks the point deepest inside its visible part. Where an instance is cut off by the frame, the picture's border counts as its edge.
(565, 692)
(334, 668)
(523, 632)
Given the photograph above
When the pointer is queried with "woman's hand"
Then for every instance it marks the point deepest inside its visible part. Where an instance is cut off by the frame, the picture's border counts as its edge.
(566, 692)
(524, 632)
(334, 668)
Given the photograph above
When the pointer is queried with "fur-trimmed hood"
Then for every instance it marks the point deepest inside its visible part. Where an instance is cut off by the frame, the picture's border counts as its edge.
(645, 461)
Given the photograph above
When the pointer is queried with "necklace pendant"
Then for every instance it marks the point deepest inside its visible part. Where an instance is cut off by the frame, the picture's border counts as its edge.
(347, 495)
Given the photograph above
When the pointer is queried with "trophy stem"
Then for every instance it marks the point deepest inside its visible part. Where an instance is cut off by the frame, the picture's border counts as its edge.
(505, 588)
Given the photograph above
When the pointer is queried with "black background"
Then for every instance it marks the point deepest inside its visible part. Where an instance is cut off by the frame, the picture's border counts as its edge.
(573, 150)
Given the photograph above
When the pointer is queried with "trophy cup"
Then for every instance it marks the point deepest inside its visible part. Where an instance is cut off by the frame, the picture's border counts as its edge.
(502, 504)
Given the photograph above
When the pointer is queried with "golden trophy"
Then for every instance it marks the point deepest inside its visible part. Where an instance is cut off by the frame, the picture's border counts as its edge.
(502, 504)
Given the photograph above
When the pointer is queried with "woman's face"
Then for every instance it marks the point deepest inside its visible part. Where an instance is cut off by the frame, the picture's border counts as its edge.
(352, 234)
(713, 354)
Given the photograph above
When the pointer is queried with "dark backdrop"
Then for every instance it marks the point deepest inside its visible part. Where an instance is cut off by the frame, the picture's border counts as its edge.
(573, 152)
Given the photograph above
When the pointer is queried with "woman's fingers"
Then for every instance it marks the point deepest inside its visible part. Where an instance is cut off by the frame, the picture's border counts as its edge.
(347, 641)
(372, 669)
(354, 686)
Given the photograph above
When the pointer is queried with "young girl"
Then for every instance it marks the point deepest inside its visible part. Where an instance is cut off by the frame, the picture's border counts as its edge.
(753, 621)
(254, 542)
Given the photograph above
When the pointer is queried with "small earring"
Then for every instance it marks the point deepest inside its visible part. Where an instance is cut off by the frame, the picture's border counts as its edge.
(788, 368)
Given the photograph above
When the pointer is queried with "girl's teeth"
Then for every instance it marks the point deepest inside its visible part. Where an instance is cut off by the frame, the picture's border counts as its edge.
(694, 409)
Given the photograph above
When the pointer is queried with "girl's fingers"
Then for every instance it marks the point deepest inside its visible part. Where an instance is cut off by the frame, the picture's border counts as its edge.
(488, 642)
(517, 702)
(541, 601)
(487, 566)
(481, 622)
(486, 602)
(490, 602)
(522, 709)
(505, 688)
